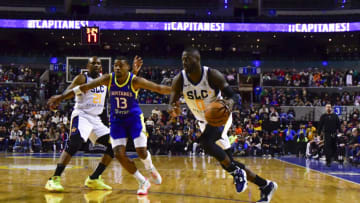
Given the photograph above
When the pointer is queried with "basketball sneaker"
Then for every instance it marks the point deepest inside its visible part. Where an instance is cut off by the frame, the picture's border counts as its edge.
(144, 187)
(155, 176)
(240, 180)
(267, 192)
(53, 184)
(97, 184)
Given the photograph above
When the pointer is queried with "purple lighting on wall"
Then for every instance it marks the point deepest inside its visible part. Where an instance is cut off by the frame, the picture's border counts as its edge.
(182, 26)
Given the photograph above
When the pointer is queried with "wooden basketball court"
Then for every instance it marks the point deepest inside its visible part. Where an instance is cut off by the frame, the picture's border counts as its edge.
(185, 179)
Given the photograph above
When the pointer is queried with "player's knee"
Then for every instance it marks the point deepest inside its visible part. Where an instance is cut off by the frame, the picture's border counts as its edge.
(206, 144)
(74, 144)
(116, 151)
(142, 152)
(119, 152)
(214, 150)
(104, 140)
(109, 151)
(73, 148)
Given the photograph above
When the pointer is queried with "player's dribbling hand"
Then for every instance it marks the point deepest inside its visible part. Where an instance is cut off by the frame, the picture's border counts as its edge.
(229, 103)
(138, 62)
(54, 101)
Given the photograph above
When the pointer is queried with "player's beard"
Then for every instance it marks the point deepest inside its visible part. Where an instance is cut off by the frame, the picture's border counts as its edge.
(188, 69)
(94, 74)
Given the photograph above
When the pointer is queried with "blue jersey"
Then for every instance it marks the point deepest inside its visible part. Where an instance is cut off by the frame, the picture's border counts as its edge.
(123, 99)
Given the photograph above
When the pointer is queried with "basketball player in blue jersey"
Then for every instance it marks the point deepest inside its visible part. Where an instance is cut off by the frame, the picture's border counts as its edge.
(201, 86)
(126, 118)
(86, 124)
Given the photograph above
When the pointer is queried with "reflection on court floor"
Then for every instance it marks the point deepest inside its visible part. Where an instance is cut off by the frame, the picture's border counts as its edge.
(185, 179)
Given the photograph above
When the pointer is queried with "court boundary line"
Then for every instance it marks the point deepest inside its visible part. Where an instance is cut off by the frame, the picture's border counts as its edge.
(349, 181)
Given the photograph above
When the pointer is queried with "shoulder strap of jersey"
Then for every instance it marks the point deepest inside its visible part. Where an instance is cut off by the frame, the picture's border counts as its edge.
(132, 76)
(183, 75)
(182, 78)
(86, 77)
(112, 75)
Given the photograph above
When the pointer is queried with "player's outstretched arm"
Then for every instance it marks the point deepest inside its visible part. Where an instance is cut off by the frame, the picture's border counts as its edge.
(176, 88)
(103, 80)
(141, 83)
(70, 93)
(78, 80)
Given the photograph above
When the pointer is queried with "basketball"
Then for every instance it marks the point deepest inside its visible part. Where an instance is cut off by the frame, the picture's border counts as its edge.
(216, 114)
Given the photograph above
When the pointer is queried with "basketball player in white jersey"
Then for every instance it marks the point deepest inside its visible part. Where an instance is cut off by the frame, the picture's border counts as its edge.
(201, 86)
(86, 124)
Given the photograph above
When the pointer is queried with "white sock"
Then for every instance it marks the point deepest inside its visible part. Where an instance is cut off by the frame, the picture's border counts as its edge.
(139, 177)
(148, 162)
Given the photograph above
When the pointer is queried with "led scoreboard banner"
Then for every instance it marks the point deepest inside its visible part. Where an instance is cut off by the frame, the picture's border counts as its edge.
(90, 35)
(181, 26)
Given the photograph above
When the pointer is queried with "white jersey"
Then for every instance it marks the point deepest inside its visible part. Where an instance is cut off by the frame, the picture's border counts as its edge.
(93, 101)
(198, 96)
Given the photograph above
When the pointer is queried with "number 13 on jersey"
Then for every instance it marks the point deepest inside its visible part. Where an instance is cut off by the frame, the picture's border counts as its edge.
(121, 103)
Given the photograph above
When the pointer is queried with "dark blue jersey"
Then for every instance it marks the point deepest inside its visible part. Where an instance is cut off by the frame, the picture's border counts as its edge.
(123, 99)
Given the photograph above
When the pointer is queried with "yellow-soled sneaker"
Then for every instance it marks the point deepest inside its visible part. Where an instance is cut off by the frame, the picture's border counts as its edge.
(54, 185)
(97, 184)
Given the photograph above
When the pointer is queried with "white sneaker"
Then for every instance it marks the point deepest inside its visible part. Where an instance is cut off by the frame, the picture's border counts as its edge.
(144, 187)
(156, 177)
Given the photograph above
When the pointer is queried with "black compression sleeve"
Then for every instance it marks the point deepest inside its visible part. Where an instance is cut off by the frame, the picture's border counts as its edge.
(229, 93)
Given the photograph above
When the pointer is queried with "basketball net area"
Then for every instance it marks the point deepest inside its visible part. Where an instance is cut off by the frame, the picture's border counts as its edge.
(77, 65)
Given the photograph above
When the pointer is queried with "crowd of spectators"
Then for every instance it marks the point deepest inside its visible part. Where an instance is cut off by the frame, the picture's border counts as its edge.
(311, 77)
(21, 73)
(306, 97)
(27, 127)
